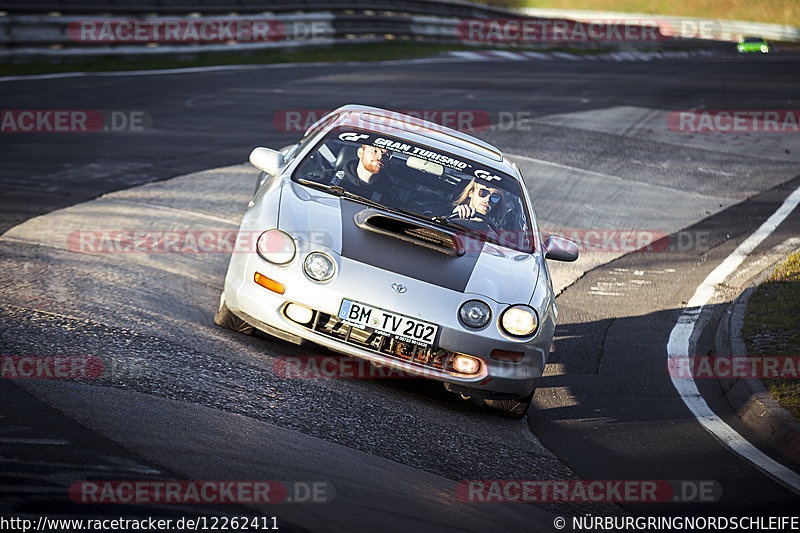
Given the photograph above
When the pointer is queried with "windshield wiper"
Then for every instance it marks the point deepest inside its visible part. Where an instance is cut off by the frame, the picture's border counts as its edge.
(331, 188)
(444, 221)
(482, 235)
(341, 191)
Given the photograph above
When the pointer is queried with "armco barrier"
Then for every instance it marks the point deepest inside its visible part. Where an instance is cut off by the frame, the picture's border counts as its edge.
(684, 27)
(46, 28)
(34, 36)
(26, 33)
(63, 31)
(443, 8)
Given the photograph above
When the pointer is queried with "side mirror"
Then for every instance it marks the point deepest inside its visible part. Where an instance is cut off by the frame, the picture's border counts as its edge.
(267, 160)
(560, 249)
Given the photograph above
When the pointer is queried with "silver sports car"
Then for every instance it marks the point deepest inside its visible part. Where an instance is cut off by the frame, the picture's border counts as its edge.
(395, 240)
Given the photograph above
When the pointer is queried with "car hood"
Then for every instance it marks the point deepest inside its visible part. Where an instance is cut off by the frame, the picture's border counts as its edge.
(485, 269)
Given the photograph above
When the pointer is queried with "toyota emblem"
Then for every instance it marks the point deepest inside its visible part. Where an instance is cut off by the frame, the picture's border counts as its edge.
(399, 288)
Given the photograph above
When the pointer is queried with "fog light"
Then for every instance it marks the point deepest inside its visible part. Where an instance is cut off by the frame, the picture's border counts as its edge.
(299, 313)
(268, 283)
(465, 364)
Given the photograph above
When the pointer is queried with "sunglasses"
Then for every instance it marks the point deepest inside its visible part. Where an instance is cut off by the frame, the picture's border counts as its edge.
(377, 151)
(485, 192)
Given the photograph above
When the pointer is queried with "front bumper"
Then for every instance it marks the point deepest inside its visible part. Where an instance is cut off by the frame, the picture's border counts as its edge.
(357, 281)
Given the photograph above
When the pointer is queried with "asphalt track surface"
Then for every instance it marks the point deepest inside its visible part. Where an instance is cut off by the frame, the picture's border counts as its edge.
(193, 402)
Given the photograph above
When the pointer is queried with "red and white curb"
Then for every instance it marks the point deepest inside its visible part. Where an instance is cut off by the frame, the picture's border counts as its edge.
(623, 56)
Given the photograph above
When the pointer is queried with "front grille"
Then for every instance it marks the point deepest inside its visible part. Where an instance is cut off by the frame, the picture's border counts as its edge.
(432, 358)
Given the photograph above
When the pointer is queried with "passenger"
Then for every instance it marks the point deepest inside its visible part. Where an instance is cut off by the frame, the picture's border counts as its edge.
(361, 175)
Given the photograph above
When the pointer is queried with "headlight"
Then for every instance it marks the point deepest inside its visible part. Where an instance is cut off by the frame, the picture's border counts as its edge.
(275, 246)
(519, 321)
(475, 314)
(319, 266)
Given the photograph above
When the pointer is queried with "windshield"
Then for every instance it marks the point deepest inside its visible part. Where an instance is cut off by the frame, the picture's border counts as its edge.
(400, 175)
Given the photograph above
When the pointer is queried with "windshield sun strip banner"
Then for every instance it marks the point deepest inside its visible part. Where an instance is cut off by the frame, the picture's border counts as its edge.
(401, 147)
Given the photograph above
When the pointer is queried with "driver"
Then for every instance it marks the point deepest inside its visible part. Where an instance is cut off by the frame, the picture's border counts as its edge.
(475, 203)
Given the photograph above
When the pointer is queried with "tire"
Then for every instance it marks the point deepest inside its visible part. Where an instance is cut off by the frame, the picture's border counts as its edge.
(223, 317)
(514, 409)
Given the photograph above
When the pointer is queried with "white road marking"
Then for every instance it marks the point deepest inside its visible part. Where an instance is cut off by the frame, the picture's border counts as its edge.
(598, 292)
(117, 467)
(560, 165)
(754, 268)
(679, 346)
(596, 174)
(154, 72)
(217, 68)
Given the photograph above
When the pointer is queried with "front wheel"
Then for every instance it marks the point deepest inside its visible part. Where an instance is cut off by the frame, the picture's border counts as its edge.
(225, 318)
(515, 409)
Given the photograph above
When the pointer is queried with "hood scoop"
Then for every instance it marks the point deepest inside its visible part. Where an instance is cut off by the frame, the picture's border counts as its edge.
(410, 230)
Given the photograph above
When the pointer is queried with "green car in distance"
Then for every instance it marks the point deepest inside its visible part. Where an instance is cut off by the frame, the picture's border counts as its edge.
(753, 44)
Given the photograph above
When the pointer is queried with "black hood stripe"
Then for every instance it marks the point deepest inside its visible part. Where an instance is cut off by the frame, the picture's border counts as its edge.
(404, 258)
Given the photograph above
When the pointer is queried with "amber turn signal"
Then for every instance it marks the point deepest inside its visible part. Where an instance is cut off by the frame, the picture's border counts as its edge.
(268, 283)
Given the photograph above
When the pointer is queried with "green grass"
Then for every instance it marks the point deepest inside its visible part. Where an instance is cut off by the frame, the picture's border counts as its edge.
(772, 327)
(772, 11)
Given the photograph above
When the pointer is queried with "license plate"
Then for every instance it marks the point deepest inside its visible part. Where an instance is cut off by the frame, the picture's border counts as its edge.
(401, 327)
